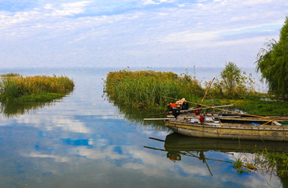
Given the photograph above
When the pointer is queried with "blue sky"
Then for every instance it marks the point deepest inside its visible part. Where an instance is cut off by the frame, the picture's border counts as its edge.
(154, 33)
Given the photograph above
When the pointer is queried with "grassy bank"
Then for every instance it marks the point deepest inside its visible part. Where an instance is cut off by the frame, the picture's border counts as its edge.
(34, 88)
(145, 90)
(258, 106)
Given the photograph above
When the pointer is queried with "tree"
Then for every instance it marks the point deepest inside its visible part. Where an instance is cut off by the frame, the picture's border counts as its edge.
(231, 76)
(273, 63)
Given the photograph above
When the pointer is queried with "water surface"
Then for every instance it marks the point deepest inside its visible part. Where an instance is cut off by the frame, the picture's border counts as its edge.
(83, 140)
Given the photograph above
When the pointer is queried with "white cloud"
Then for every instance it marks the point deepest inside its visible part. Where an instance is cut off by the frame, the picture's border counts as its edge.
(54, 123)
(96, 154)
(148, 2)
(48, 6)
(151, 2)
(57, 158)
(18, 17)
(71, 8)
(188, 36)
(155, 164)
(144, 32)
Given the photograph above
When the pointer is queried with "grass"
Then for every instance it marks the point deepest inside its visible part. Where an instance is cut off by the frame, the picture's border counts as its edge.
(239, 166)
(278, 161)
(145, 89)
(264, 161)
(34, 88)
(11, 74)
(47, 97)
(258, 106)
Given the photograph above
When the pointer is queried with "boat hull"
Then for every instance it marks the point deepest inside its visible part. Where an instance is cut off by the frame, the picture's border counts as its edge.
(229, 132)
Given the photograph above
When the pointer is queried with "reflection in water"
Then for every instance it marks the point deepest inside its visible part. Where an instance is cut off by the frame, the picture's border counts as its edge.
(177, 146)
(176, 141)
(79, 142)
(11, 109)
(137, 116)
(83, 142)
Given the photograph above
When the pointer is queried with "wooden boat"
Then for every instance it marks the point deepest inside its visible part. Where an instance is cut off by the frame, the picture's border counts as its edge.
(237, 127)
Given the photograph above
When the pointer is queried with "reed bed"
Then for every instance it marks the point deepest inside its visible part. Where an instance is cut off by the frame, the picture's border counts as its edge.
(145, 89)
(13, 88)
(11, 74)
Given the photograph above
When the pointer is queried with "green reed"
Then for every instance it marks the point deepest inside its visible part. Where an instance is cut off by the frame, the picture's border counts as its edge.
(11, 74)
(145, 89)
(13, 88)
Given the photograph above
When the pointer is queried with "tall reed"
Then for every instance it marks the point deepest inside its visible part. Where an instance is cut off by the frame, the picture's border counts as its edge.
(145, 89)
(14, 87)
(11, 74)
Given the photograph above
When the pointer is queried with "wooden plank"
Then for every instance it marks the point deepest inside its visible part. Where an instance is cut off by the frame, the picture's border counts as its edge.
(223, 106)
(244, 119)
(155, 119)
(276, 123)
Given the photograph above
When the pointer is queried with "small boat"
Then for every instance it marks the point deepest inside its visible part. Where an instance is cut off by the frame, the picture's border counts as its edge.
(230, 127)
(193, 122)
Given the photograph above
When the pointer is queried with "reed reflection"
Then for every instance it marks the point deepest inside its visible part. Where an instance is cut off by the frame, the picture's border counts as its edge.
(137, 116)
(13, 109)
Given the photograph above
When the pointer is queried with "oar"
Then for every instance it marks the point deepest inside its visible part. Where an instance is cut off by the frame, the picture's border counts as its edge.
(189, 154)
(210, 83)
(268, 122)
(158, 114)
(148, 147)
(157, 139)
(224, 106)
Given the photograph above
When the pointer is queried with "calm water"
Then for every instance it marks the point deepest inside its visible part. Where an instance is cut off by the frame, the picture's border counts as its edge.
(84, 141)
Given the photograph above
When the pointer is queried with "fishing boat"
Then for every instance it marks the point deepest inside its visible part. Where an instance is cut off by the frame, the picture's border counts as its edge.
(194, 122)
(230, 127)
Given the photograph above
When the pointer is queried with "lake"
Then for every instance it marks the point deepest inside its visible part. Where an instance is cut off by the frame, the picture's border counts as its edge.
(83, 140)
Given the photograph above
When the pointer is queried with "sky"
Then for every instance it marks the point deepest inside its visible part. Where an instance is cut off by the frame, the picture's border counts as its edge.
(143, 33)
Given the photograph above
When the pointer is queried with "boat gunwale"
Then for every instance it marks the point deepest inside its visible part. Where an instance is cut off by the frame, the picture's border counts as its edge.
(224, 127)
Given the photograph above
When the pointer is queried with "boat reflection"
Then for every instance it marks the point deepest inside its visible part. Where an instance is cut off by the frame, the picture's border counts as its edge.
(177, 142)
(177, 146)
